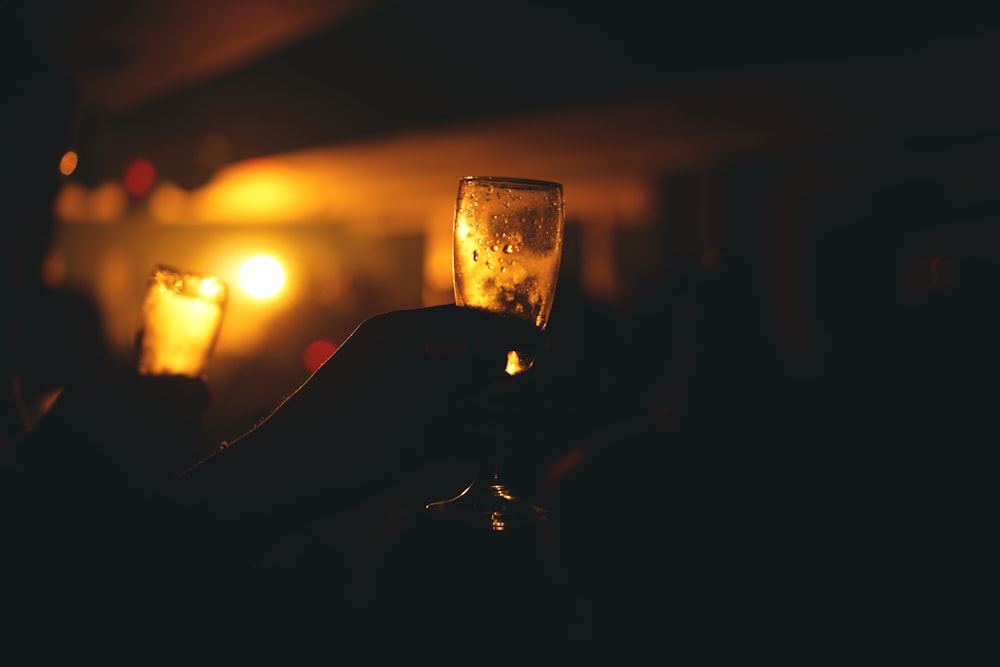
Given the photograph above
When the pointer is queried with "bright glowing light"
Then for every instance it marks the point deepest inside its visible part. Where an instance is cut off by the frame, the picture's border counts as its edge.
(262, 276)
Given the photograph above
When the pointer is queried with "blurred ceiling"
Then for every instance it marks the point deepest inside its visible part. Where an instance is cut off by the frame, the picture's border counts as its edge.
(125, 54)
(582, 90)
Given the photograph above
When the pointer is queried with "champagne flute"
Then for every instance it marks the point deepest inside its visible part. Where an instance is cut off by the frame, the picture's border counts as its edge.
(507, 247)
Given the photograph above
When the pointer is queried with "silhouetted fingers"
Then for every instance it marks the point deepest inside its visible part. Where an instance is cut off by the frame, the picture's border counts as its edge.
(453, 330)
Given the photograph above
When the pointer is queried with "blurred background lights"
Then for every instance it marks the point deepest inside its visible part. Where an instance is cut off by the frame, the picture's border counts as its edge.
(168, 203)
(139, 177)
(316, 353)
(262, 276)
(71, 203)
(258, 190)
(68, 162)
(106, 203)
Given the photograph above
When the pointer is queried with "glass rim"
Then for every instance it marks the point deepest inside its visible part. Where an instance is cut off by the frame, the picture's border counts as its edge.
(185, 281)
(513, 180)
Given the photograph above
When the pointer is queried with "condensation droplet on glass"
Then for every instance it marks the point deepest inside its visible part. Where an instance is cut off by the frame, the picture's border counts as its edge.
(494, 247)
(508, 248)
(489, 264)
(475, 255)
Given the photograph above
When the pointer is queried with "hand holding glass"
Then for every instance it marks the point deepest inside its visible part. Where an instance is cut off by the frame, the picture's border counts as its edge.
(507, 247)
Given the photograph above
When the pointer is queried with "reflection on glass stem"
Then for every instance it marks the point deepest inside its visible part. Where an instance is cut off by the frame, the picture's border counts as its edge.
(495, 504)
(517, 363)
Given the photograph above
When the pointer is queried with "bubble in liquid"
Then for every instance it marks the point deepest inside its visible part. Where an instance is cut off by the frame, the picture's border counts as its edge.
(475, 255)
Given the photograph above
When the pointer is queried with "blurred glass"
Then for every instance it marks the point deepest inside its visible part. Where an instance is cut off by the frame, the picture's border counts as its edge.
(180, 320)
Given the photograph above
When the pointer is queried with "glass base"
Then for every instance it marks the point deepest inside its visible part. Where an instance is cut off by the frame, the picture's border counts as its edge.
(492, 505)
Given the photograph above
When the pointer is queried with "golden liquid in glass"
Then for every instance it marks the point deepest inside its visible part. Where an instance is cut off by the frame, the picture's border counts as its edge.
(508, 240)
(181, 316)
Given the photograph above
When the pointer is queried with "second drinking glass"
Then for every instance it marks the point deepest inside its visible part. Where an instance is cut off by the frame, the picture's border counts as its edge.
(180, 320)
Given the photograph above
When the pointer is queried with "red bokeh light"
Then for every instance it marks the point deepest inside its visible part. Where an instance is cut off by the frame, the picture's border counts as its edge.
(139, 177)
(316, 353)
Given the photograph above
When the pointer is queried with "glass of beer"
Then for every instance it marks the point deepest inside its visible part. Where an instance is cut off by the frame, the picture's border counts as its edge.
(180, 320)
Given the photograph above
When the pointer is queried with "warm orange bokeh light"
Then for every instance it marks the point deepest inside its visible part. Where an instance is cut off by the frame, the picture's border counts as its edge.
(68, 162)
(104, 204)
(168, 203)
(71, 202)
(255, 191)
